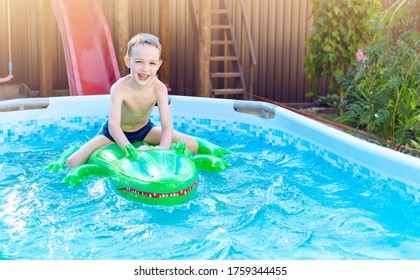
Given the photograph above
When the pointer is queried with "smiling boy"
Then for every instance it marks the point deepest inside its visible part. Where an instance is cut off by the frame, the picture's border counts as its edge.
(132, 100)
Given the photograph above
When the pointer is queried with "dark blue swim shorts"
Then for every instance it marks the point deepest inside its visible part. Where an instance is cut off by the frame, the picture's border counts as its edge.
(138, 135)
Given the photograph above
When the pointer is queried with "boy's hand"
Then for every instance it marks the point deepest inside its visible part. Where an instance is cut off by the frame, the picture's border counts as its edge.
(144, 148)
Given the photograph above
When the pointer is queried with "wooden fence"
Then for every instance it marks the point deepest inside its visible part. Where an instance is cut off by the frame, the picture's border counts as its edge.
(279, 29)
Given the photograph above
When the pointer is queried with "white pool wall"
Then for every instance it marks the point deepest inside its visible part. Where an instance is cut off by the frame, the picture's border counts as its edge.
(386, 162)
(285, 128)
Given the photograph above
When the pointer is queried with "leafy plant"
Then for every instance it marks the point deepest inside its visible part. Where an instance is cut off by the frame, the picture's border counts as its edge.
(383, 91)
(339, 28)
(330, 100)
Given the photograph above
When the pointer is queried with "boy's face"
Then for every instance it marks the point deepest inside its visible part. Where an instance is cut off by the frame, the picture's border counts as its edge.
(144, 62)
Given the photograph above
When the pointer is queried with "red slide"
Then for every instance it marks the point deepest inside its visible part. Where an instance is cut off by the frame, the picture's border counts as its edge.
(90, 56)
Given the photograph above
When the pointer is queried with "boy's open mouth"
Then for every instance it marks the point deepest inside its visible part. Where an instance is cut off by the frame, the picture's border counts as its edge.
(143, 77)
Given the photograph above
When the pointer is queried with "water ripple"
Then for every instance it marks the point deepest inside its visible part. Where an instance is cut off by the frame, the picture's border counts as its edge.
(273, 203)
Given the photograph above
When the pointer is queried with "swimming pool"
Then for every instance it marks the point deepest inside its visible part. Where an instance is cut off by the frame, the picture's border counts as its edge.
(297, 189)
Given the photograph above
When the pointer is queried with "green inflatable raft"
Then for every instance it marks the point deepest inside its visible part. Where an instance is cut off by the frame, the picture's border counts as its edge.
(155, 176)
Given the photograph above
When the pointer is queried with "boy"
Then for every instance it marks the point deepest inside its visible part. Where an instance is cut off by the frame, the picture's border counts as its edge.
(132, 100)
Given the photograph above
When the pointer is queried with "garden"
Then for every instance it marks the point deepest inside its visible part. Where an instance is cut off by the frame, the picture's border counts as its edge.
(370, 57)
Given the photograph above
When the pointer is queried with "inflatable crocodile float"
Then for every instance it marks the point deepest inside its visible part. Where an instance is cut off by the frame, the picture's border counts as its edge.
(155, 176)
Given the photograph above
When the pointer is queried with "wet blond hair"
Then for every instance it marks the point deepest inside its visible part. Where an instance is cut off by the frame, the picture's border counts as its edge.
(144, 38)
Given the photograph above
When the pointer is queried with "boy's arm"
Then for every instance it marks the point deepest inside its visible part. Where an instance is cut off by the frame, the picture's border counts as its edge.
(165, 117)
(114, 119)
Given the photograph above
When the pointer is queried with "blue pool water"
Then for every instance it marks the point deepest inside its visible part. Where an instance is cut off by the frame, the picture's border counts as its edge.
(275, 202)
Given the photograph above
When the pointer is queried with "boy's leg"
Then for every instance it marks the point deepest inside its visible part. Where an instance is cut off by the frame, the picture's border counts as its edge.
(82, 154)
(153, 137)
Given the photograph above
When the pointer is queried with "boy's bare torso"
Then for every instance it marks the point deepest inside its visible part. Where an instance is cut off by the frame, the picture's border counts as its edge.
(137, 105)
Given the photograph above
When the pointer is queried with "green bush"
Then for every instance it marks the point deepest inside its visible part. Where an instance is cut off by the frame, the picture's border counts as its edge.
(339, 28)
(383, 91)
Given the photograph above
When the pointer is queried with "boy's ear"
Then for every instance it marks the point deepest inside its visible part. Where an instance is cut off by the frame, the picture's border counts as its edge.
(127, 61)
